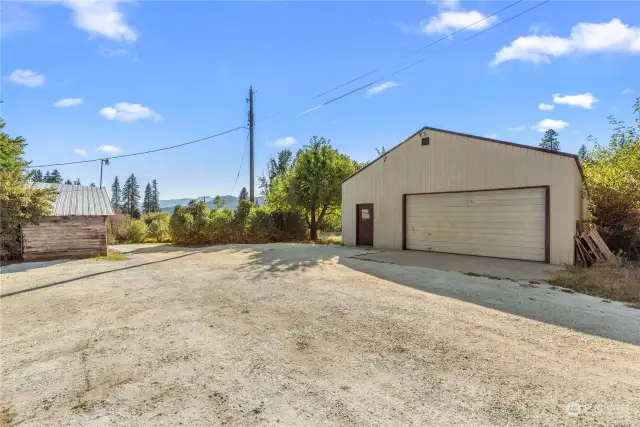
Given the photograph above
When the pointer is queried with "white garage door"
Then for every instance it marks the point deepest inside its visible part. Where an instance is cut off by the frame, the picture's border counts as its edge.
(502, 223)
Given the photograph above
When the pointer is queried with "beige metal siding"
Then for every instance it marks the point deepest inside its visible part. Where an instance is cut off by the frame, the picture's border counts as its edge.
(65, 237)
(459, 163)
(503, 224)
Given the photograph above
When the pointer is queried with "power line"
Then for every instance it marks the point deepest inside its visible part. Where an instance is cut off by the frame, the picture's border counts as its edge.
(244, 152)
(330, 90)
(140, 152)
(368, 73)
(413, 64)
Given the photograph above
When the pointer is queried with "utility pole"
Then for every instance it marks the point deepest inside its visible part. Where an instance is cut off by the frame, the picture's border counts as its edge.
(251, 144)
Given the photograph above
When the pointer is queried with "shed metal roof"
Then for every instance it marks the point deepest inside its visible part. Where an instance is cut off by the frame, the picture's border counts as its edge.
(79, 200)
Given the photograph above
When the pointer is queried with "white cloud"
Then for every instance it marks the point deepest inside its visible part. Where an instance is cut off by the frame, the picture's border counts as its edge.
(27, 78)
(449, 21)
(382, 87)
(626, 91)
(125, 112)
(585, 100)
(546, 124)
(613, 36)
(114, 53)
(79, 152)
(110, 149)
(516, 129)
(545, 107)
(446, 4)
(68, 102)
(491, 135)
(283, 142)
(101, 18)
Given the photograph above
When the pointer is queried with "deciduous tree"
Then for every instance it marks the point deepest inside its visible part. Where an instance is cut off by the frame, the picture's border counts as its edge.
(219, 203)
(275, 167)
(315, 181)
(20, 203)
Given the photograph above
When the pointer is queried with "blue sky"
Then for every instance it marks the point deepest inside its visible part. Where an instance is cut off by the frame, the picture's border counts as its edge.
(83, 80)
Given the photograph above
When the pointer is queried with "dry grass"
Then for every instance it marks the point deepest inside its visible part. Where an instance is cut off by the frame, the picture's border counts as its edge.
(605, 281)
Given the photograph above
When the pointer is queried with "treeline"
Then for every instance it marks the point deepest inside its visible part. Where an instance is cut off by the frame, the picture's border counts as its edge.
(53, 177)
(20, 203)
(612, 178)
(303, 194)
(126, 199)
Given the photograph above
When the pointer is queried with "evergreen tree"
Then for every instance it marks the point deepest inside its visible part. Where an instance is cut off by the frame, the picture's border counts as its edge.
(550, 141)
(155, 197)
(68, 182)
(116, 193)
(56, 177)
(131, 196)
(244, 194)
(36, 175)
(582, 153)
(147, 201)
(77, 182)
(46, 177)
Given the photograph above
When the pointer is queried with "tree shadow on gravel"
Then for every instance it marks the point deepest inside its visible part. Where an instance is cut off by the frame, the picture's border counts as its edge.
(276, 258)
(86, 276)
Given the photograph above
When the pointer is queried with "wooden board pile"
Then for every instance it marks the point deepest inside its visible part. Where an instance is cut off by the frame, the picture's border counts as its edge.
(591, 249)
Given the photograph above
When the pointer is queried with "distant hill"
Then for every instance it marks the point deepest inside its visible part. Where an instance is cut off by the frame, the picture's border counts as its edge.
(232, 203)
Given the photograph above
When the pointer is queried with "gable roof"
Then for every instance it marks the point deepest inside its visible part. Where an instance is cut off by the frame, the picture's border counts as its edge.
(497, 141)
(78, 200)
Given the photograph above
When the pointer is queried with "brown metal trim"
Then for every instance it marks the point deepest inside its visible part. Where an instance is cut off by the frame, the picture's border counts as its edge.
(547, 213)
(358, 224)
(404, 222)
(547, 225)
(513, 144)
(478, 191)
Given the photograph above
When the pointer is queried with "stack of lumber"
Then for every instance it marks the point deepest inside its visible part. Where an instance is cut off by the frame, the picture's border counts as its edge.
(591, 249)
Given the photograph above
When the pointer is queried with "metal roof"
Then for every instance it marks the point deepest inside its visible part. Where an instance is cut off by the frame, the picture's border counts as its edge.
(78, 200)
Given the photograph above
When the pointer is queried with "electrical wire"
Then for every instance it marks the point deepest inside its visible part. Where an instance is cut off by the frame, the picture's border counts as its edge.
(368, 73)
(244, 153)
(413, 64)
(326, 92)
(140, 152)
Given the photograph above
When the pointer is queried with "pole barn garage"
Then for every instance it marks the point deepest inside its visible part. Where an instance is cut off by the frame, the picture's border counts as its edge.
(444, 191)
(76, 227)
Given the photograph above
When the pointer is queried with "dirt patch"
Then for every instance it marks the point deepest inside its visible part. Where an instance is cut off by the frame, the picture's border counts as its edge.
(167, 341)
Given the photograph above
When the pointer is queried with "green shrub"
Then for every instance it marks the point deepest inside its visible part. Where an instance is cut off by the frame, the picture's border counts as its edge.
(117, 228)
(195, 225)
(158, 223)
(137, 231)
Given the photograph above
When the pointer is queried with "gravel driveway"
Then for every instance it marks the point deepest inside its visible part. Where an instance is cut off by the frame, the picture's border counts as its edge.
(290, 335)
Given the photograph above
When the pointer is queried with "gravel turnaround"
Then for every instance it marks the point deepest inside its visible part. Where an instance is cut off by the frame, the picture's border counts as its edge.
(291, 335)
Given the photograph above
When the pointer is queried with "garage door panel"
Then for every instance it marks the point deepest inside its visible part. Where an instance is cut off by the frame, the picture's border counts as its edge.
(503, 223)
(460, 237)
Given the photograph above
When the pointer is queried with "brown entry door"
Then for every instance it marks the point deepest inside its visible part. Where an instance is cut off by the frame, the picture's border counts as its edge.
(365, 225)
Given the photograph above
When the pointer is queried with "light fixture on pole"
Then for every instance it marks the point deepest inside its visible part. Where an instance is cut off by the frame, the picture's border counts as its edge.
(102, 163)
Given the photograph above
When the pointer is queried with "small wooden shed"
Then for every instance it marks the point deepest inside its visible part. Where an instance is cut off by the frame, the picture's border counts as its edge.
(76, 227)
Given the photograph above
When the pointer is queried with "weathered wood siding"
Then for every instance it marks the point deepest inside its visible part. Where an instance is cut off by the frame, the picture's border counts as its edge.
(65, 237)
(461, 163)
